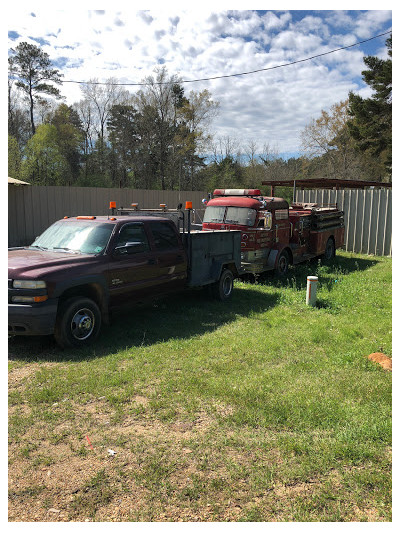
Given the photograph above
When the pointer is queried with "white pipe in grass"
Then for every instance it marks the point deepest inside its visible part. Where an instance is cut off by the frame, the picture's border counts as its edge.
(311, 296)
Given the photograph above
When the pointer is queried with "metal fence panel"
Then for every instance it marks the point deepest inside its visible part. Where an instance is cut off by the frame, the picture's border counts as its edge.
(31, 209)
(367, 217)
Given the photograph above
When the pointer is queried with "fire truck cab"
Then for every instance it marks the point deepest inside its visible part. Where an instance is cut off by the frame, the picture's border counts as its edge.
(274, 235)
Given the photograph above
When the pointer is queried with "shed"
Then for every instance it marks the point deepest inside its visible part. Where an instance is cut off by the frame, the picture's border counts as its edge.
(13, 181)
(324, 183)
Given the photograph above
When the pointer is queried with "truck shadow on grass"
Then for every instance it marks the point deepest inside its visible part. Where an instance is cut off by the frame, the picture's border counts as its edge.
(327, 273)
(180, 316)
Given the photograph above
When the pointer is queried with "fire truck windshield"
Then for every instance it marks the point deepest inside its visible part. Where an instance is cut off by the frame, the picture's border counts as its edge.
(214, 214)
(241, 216)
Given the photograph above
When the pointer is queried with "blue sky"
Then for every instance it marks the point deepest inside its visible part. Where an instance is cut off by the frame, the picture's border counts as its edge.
(269, 108)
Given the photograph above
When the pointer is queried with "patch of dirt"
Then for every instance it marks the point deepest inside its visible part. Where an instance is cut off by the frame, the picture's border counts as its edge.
(17, 375)
(160, 471)
(381, 359)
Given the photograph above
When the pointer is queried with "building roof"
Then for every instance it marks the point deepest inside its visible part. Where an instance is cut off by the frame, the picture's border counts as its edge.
(326, 183)
(13, 181)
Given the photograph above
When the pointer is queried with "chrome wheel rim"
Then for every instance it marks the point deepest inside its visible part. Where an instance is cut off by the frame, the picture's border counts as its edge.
(282, 264)
(227, 286)
(82, 324)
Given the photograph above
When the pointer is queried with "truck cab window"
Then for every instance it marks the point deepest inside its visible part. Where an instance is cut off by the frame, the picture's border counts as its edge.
(134, 234)
(164, 236)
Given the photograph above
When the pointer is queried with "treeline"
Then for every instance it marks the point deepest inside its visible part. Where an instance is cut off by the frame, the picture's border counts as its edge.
(161, 138)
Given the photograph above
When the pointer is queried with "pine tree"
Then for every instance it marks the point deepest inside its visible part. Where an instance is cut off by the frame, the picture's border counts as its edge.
(371, 118)
(32, 68)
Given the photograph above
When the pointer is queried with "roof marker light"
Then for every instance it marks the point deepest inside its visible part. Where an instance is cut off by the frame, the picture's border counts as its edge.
(237, 192)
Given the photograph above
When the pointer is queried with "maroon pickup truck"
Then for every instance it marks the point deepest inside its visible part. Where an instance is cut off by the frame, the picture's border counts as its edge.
(81, 268)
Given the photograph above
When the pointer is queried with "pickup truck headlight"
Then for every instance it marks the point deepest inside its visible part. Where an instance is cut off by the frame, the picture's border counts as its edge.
(28, 284)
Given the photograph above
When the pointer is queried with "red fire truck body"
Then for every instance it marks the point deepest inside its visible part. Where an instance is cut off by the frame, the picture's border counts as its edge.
(275, 235)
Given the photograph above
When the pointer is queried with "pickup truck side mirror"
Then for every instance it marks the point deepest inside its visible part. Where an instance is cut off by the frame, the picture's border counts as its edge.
(129, 248)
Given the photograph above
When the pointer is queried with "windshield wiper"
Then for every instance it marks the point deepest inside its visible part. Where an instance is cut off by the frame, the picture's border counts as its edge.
(66, 249)
(38, 247)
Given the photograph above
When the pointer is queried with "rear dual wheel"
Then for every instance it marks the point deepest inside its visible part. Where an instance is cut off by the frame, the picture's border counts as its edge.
(282, 265)
(222, 289)
(330, 250)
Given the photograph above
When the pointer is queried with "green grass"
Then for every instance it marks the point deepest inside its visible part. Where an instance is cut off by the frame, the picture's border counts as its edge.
(262, 409)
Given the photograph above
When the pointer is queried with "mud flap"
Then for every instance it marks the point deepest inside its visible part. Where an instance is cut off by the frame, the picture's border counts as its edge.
(272, 259)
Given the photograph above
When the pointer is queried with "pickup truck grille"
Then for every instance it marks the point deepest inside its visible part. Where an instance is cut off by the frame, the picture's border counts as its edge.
(10, 281)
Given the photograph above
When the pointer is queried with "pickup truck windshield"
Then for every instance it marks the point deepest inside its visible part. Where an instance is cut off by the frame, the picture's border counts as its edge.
(84, 237)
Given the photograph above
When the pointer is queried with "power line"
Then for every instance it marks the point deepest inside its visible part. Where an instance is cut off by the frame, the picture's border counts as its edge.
(241, 73)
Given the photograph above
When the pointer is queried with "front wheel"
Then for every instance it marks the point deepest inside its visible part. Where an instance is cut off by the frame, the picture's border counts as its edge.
(78, 322)
(222, 289)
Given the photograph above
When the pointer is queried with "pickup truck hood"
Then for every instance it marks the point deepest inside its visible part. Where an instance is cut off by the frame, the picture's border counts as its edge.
(36, 263)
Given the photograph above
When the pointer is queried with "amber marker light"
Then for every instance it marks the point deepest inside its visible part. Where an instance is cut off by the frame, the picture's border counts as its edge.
(40, 298)
(85, 218)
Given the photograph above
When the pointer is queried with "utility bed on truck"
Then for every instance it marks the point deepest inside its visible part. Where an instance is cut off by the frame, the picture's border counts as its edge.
(208, 252)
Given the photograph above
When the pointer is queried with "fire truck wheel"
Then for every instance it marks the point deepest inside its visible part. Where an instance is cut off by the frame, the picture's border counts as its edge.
(283, 264)
(222, 289)
(330, 250)
(78, 322)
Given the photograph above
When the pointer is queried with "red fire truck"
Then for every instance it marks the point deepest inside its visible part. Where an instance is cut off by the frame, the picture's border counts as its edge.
(274, 235)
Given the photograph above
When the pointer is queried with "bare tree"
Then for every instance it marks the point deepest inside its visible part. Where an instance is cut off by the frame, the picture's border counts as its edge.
(160, 94)
(99, 99)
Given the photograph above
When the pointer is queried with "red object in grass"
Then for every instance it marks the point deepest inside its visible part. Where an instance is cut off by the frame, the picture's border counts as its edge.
(90, 444)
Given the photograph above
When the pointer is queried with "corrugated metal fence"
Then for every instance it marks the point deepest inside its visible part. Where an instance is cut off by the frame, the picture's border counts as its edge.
(31, 209)
(367, 216)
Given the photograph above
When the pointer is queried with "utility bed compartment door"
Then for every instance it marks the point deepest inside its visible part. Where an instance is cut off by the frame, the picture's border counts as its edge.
(209, 251)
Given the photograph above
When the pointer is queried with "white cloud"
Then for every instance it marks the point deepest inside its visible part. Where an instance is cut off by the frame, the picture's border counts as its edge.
(271, 106)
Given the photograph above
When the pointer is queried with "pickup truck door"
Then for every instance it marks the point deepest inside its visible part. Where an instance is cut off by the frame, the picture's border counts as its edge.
(171, 254)
(134, 270)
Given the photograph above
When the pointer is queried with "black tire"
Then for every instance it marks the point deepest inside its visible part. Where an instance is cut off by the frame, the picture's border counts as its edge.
(282, 265)
(78, 322)
(330, 250)
(222, 289)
